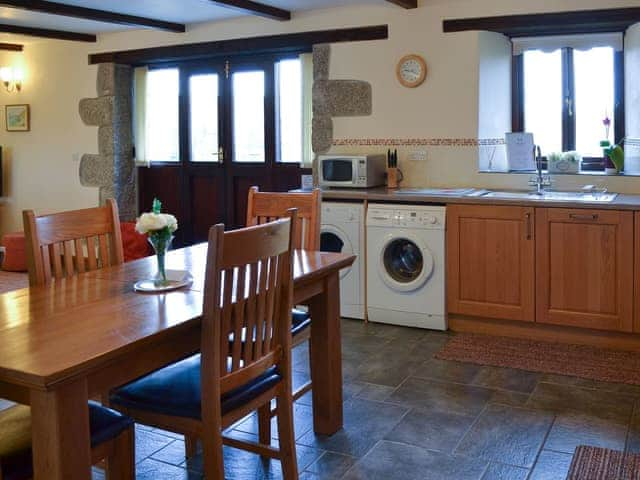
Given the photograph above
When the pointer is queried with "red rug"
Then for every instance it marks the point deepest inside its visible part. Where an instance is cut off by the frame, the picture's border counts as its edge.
(592, 463)
(575, 360)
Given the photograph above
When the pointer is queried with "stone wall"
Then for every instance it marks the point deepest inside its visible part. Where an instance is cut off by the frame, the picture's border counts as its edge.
(334, 98)
(112, 169)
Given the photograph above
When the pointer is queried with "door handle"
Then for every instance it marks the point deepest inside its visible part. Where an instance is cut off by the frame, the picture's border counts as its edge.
(576, 216)
(527, 219)
(220, 155)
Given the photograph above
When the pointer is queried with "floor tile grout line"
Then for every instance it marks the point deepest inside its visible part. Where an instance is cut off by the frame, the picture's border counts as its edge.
(475, 421)
(541, 449)
(629, 426)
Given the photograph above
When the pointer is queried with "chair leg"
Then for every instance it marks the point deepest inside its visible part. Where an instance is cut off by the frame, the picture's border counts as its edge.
(121, 463)
(190, 446)
(264, 424)
(286, 436)
(212, 455)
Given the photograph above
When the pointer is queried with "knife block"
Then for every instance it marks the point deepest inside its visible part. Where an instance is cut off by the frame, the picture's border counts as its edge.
(393, 179)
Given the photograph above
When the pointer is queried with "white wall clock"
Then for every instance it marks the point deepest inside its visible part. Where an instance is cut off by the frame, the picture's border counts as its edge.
(411, 71)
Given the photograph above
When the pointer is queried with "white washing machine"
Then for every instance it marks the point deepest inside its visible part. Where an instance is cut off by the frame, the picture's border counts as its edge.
(342, 231)
(406, 265)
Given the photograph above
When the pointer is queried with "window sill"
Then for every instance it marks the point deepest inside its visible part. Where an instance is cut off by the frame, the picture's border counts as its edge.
(587, 173)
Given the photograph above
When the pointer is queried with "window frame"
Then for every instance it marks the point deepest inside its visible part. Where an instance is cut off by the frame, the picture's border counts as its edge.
(271, 119)
(590, 164)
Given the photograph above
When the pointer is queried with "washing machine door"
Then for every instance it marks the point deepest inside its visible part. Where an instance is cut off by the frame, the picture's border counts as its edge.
(406, 263)
(333, 239)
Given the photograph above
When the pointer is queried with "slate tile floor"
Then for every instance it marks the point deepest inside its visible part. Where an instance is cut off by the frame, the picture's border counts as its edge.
(409, 416)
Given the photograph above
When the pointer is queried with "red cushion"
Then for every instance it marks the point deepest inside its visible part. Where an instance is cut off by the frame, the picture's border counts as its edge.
(134, 244)
(15, 258)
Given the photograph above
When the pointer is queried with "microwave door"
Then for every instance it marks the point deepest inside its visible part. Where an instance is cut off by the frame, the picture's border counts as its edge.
(338, 171)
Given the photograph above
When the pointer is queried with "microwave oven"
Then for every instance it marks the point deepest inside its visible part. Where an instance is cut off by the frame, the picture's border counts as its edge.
(356, 171)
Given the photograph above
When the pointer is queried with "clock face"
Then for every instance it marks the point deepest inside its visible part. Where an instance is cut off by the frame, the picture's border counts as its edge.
(411, 71)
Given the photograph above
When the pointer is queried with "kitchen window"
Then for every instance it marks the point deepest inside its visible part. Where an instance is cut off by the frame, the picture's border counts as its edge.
(564, 88)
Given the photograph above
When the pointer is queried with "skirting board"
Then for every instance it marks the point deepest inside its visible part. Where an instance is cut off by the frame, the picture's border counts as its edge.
(551, 333)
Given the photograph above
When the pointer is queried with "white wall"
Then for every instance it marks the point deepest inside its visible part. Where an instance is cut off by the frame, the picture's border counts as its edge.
(42, 168)
(494, 97)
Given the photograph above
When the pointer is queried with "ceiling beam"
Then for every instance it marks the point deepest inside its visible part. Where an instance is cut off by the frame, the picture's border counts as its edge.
(408, 4)
(11, 47)
(577, 22)
(274, 44)
(256, 8)
(47, 33)
(93, 14)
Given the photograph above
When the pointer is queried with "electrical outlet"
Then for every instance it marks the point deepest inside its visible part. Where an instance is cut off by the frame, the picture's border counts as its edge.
(418, 156)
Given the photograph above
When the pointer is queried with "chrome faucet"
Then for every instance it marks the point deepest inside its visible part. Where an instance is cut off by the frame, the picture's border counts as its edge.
(540, 181)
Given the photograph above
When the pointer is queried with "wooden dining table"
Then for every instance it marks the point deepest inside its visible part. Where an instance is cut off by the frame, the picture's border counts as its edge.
(79, 337)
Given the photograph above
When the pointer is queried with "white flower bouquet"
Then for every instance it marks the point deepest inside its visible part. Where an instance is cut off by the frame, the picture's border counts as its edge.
(159, 228)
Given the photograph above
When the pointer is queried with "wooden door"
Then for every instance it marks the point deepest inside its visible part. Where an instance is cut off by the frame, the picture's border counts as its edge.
(228, 137)
(490, 261)
(584, 272)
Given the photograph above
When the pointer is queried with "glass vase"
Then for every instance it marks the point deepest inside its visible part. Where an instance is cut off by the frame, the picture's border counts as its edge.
(161, 244)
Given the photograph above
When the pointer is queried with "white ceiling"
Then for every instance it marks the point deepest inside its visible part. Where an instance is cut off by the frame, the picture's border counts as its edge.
(179, 11)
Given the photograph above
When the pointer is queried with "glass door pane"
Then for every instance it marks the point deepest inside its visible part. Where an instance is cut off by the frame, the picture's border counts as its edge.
(290, 110)
(248, 117)
(543, 98)
(204, 123)
(161, 119)
(594, 74)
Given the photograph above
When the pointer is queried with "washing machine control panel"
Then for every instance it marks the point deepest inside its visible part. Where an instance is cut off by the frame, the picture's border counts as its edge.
(388, 216)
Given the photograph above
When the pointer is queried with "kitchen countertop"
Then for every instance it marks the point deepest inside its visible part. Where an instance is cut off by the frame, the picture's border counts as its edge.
(383, 194)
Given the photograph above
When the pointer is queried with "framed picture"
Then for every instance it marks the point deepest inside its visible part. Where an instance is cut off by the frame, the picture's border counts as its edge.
(17, 118)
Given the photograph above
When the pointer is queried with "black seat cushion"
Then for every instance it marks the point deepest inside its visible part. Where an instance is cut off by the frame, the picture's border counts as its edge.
(175, 390)
(15, 437)
(299, 321)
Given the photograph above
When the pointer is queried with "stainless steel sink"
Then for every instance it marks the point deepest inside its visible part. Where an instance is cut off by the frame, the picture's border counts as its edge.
(596, 197)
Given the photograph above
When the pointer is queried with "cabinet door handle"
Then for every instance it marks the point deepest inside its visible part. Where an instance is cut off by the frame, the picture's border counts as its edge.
(527, 217)
(577, 216)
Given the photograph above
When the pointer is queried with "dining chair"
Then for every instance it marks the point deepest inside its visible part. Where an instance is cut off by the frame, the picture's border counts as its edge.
(64, 244)
(245, 357)
(112, 439)
(267, 206)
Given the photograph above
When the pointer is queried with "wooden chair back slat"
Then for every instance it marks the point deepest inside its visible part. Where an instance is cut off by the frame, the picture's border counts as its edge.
(92, 261)
(104, 251)
(265, 207)
(54, 251)
(248, 294)
(64, 244)
(80, 260)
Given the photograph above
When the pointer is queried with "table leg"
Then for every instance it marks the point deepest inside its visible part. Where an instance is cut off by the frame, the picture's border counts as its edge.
(60, 433)
(326, 357)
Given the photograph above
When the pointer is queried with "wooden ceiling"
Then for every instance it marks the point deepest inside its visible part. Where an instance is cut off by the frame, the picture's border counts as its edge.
(106, 16)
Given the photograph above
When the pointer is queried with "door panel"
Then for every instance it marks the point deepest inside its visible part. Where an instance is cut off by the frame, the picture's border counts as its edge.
(584, 268)
(490, 257)
(227, 144)
(164, 183)
(207, 205)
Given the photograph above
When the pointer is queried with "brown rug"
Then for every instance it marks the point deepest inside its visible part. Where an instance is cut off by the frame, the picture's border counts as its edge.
(593, 463)
(546, 357)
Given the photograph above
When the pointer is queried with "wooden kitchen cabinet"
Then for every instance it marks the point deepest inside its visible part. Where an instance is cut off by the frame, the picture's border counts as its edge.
(491, 261)
(584, 268)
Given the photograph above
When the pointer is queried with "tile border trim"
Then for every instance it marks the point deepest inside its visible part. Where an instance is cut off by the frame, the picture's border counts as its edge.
(417, 142)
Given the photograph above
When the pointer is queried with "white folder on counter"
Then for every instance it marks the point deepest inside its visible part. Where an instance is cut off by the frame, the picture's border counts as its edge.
(520, 156)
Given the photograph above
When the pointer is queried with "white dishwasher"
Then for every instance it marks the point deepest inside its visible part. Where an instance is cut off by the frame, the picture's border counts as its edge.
(406, 265)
